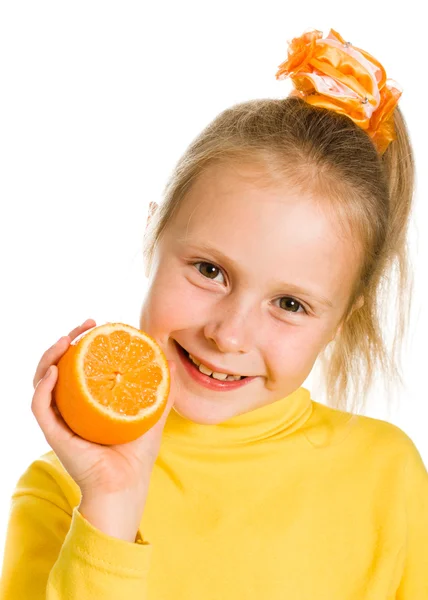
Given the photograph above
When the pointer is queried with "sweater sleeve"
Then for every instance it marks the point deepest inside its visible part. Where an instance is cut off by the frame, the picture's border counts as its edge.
(53, 553)
(414, 582)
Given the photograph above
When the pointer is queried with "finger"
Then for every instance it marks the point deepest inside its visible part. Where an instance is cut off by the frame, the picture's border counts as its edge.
(54, 428)
(50, 357)
(83, 327)
(54, 353)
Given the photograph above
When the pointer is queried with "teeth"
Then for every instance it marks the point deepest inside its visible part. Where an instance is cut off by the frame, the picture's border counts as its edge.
(195, 360)
(207, 371)
(204, 369)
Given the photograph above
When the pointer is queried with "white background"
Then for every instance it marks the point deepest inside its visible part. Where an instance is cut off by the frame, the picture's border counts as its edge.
(98, 101)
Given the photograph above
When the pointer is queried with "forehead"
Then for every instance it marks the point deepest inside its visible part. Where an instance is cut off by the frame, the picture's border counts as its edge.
(254, 220)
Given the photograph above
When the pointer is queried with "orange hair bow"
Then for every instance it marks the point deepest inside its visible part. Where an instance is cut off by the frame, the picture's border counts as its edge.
(331, 73)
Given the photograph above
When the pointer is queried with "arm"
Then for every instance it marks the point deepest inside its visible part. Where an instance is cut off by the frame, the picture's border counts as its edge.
(414, 581)
(53, 552)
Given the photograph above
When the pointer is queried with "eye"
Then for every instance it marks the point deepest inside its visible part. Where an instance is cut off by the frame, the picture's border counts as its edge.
(291, 303)
(208, 270)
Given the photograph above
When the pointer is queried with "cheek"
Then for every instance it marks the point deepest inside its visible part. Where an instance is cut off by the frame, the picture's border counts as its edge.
(173, 303)
(293, 348)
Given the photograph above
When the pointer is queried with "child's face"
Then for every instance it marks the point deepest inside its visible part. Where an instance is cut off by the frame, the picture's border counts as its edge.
(237, 313)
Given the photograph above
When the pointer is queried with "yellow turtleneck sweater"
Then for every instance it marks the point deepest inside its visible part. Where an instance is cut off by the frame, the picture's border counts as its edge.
(293, 500)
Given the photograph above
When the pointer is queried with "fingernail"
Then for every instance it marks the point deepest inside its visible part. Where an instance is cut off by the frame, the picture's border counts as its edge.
(48, 372)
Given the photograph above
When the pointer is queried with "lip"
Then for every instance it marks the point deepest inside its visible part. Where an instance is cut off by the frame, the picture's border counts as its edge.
(205, 380)
(213, 368)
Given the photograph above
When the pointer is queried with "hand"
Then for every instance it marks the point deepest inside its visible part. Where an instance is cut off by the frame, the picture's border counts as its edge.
(97, 469)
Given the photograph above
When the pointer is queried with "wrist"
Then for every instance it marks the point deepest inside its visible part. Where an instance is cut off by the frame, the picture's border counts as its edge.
(117, 514)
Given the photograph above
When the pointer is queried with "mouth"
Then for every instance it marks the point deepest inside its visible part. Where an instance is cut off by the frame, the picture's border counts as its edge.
(207, 380)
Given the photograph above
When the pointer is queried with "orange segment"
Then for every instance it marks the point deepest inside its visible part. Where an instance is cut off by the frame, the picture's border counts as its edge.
(113, 384)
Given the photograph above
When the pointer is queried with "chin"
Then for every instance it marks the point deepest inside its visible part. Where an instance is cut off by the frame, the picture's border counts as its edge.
(205, 412)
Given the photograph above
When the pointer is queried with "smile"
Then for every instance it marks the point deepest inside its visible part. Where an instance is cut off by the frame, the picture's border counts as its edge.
(206, 379)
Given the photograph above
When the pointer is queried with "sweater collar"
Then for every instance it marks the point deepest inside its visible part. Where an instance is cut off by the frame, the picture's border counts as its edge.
(277, 419)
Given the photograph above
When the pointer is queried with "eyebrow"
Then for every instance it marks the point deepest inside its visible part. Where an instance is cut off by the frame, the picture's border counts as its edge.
(294, 289)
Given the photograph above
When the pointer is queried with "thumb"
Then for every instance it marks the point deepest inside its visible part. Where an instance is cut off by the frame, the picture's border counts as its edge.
(150, 441)
(172, 366)
(172, 393)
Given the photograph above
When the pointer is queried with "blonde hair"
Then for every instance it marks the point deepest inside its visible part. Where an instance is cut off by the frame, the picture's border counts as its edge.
(369, 195)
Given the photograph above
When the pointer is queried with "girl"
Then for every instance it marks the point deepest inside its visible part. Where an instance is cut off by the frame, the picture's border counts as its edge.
(271, 248)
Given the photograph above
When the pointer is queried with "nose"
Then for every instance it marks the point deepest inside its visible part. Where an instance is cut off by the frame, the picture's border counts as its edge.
(232, 327)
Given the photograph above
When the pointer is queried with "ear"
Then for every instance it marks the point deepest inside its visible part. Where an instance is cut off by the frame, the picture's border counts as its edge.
(359, 303)
(152, 209)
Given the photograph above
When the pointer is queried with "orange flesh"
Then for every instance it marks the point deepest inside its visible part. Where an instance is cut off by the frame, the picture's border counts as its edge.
(120, 373)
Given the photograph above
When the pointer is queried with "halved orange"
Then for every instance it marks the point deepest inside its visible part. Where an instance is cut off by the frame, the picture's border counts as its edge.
(113, 384)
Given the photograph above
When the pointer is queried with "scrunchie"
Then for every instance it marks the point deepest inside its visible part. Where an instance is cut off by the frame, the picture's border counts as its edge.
(331, 73)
